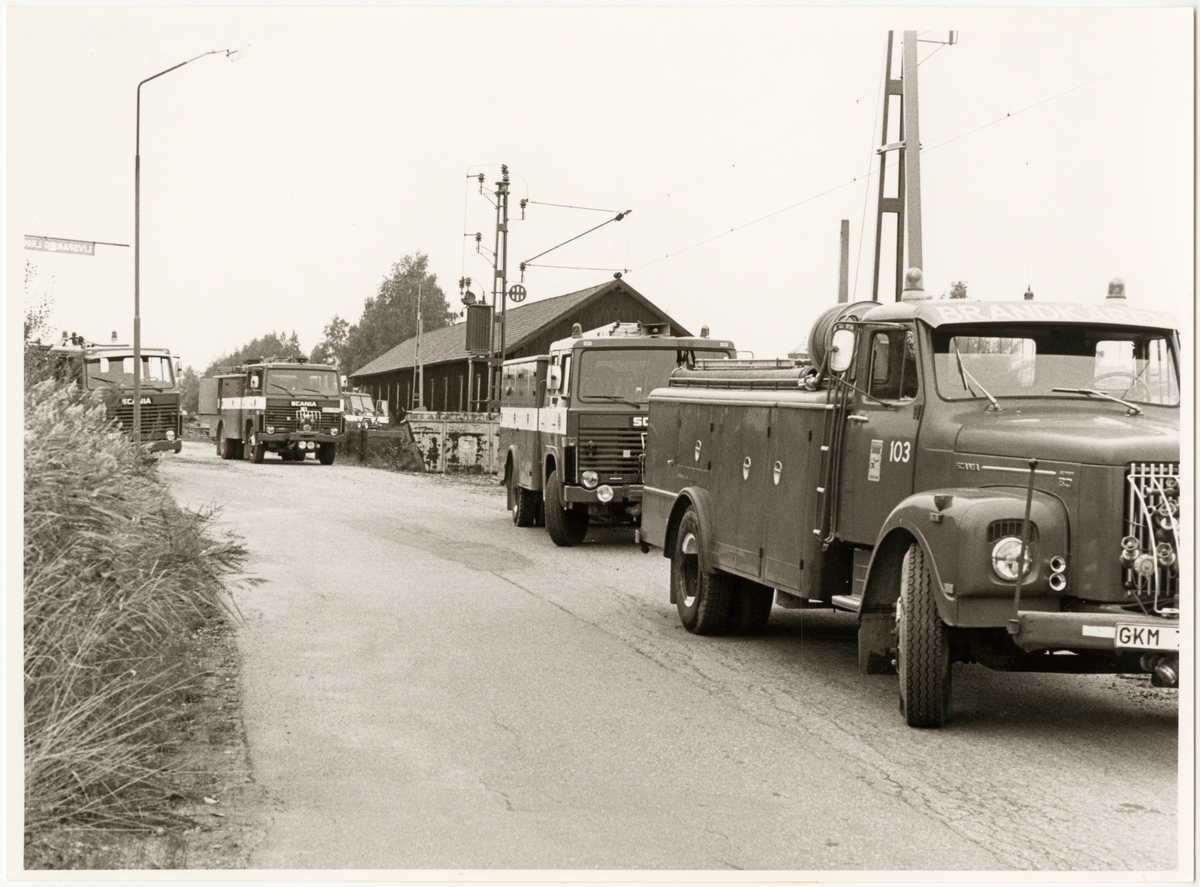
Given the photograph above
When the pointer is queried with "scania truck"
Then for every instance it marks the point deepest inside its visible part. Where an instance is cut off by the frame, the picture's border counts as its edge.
(986, 482)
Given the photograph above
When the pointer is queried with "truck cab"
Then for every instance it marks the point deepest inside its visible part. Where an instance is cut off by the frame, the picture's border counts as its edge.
(573, 423)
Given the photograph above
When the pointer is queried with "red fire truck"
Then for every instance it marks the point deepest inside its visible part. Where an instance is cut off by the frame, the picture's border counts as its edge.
(289, 407)
(573, 423)
(109, 369)
(987, 482)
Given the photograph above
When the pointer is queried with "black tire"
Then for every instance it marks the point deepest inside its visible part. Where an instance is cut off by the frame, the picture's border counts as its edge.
(522, 502)
(567, 525)
(703, 599)
(220, 444)
(230, 448)
(923, 659)
(750, 607)
(327, 453)
(252, 449)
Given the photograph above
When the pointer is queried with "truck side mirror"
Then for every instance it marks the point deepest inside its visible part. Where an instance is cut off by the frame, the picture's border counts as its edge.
(554, 379)
(841, 350)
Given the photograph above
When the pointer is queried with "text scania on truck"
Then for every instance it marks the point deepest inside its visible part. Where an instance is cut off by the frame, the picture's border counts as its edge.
(288, 407)
(573, 423)
(987, 482)
(109, 369)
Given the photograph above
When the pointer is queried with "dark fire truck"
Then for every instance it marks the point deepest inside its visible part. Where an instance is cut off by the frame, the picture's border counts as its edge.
(109, 369)
(573, 423)
(988, 482)
(289, 407)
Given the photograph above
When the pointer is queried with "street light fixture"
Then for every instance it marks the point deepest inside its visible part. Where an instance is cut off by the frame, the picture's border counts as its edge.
(137, 228)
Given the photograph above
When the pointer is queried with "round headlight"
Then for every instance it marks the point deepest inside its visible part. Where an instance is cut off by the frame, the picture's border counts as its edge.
(307, 427)
(590, 479)
(604, 493)
(270, 429)
(170, 435)
(333, 431)
(1005, 555)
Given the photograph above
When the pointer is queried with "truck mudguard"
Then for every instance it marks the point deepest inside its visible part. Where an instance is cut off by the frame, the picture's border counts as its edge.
(958, 528)
(698, 499)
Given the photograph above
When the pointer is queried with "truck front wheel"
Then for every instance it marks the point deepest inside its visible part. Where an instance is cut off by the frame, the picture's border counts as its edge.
(327, 453)
(255, 450)
(703, 599)
(567, 525)
(924, 650)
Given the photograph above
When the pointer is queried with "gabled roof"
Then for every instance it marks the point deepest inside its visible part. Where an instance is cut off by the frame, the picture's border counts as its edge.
(449, 344)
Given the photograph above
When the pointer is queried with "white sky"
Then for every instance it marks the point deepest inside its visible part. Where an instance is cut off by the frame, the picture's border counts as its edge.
(277, 190)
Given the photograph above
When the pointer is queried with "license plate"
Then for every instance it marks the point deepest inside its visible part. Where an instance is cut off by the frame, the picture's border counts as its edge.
(1147, 637)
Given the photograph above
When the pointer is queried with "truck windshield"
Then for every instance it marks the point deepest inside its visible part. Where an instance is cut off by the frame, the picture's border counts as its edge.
(1031, 361)
(628, 375)
(116, 370)
(302, 380)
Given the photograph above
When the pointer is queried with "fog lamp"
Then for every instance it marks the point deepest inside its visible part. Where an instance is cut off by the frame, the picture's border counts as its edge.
(590, 479)
(1005, 555)
(604, 493)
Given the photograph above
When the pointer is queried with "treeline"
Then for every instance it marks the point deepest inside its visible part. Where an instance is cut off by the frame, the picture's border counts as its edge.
(388, 318)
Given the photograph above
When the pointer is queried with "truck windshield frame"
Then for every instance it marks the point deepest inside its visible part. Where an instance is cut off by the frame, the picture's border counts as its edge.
(628, 375)
(116, 370)
(1031, 360)
(302, 379)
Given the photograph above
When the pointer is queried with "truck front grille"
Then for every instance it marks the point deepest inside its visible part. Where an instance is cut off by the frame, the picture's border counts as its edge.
(294, 419)
(155, 417)
(613, 453)
(1150, 549)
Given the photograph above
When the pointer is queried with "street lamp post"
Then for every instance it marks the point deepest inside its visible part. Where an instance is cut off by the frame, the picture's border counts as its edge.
(137, 230)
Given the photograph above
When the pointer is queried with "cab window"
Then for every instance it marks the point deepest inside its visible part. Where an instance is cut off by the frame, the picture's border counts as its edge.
(892, 374)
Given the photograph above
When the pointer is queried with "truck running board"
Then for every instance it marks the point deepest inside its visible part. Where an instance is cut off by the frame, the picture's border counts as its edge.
(850, 602)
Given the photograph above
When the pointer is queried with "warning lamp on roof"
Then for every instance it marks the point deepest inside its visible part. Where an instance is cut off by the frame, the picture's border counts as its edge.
(1116, 288)
(576, 331)
(914, 286)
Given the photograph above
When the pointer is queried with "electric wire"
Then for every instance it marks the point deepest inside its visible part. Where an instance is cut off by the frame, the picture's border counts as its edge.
(924, 151)
(862, 228)
(568, 206)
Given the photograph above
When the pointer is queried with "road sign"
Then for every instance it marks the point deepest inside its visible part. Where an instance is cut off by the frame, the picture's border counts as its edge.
(516, 292)
(59, 245)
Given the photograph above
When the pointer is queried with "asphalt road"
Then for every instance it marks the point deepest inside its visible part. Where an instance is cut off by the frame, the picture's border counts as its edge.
(427, 686)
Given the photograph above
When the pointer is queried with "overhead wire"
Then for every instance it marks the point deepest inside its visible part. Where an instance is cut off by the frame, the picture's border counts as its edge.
(872, 173)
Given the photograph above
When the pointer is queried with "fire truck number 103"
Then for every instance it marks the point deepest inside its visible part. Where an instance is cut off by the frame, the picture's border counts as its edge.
(900, 451)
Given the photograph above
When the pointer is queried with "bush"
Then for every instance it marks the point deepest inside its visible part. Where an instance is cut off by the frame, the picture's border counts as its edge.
(116, 579)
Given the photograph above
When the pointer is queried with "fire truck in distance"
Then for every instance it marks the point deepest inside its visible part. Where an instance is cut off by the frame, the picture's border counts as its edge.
(109, 369)
(289, 407)
(573, 423)
(986, 482)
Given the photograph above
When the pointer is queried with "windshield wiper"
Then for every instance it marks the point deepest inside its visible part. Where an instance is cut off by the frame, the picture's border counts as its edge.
(613, 398)
(1134, 409)
(965, 374)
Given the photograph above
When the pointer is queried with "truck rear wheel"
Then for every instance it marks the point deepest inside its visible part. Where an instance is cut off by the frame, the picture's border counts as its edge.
(924, 655)
(750, 607)
(523, 503)
(703, 599)
(327, 453)
(567, 525)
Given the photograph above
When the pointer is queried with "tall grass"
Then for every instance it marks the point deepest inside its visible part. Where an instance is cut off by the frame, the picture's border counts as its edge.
(117, 577)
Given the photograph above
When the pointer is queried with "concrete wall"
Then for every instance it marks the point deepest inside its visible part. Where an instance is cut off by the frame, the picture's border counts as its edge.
(456, 442)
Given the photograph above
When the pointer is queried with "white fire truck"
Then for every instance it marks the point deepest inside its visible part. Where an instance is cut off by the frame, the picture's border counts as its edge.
(289, 407)
(573, 423)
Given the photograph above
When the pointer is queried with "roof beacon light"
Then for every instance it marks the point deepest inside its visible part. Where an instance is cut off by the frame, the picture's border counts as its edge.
(1116, 288)
(914, 286)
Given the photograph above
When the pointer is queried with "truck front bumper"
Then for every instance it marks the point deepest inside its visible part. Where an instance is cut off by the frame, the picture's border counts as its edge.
(1110, 631)
(620, 493)
(287, 437)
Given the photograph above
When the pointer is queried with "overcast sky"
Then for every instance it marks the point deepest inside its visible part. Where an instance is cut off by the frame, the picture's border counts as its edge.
(279, 189)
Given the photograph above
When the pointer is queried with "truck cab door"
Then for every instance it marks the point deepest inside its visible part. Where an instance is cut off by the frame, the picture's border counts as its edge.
(879, 444)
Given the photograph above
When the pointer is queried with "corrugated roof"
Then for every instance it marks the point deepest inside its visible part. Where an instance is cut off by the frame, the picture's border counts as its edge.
(449, 344)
